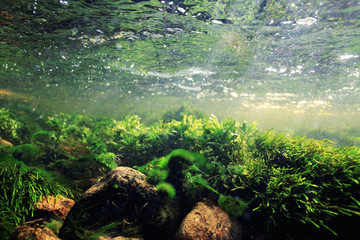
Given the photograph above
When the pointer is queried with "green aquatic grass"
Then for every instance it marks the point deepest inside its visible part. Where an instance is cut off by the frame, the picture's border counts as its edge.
(20, 190)
(302, 179)
(283, 180)
(9, 126)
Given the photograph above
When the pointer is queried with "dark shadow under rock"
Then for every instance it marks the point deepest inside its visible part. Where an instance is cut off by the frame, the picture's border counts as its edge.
(122, 203)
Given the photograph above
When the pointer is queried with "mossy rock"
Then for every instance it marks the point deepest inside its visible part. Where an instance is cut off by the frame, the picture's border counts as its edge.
(28, 153)
(80, 168)
(123, 196)
(171, 172)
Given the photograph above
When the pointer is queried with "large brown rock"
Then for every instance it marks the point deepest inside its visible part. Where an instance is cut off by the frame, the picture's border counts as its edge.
(206, 222)
(122, 196)
(58, 206)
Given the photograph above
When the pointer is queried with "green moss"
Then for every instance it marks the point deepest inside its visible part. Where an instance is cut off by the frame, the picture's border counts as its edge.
(26, 152)
(166, 188)
(233, 206)
(157, 175)
(158, 169)
(54, 225)
(9, 126)
(167, 172)
(189, 157)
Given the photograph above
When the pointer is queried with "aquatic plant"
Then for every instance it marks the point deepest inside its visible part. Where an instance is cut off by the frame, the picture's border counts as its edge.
(161, 167)
(220, 138)
(168, 172)
(281, 178)
(54, 225)
(181, 112)
(90, 131)
(286, 179)
(233, 206)
(339, 137)
(127, 228)
(135, 141)
(167, 188)
(9, 126)
(299, 179)
(20, 190)
(28, 153)
(108, 159)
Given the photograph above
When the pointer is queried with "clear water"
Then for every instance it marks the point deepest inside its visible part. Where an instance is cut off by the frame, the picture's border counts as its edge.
(289, 65)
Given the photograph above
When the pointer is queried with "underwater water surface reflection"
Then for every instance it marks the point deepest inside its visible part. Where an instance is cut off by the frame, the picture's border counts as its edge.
(296, 68)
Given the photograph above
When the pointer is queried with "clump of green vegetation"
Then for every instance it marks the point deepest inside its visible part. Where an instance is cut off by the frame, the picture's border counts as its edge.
(233, 206)
(9, 126)
(169, 168)
(108, 159)
(20, 190)
(180, 113)
(54, 225)
(283, 180)
(299, 179)
(129, 229)
(339, 137)
(26, 152)
(166, 188)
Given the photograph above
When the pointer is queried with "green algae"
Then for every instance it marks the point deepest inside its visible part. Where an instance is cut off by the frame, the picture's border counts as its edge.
(171, 167)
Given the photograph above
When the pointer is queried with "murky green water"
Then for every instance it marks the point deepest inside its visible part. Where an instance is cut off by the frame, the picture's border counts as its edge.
(289, 65)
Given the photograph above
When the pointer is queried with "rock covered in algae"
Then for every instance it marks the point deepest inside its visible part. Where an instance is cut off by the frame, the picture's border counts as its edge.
(123, 196)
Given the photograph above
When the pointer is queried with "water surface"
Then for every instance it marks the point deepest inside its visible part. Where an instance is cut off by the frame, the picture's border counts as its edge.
(287, 64)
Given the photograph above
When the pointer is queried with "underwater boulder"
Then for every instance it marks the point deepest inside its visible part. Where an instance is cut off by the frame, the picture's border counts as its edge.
(27, 153)
(58, 206)
(207, 221)
(26, 232)
(122, 202)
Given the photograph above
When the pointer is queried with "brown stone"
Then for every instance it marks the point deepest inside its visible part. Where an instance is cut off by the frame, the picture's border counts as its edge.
(59, 206)
(5, 143)
(124, 177)
(206, 222)
(35, 233)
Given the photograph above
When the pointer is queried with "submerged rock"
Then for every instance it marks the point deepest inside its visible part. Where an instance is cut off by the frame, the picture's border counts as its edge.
(57, 206)
(5, 143)
(44, 211)
(35, 233)
(123, 202)
(206, 222)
